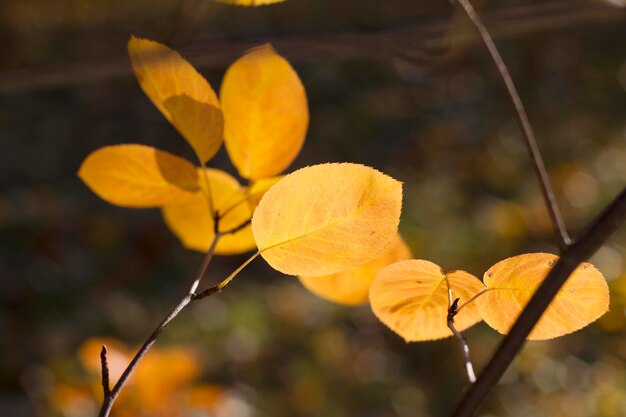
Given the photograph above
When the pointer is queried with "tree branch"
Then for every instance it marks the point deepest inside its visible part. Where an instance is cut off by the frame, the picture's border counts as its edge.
(104, 366)
(524, 124)
(469, 368)
(110, 396)
(586, 245)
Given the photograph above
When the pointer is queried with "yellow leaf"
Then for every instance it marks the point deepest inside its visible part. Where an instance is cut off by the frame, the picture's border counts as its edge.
(257, 190)
(191, 222)
(327, 218)
(183, 96)
(138, 176)
(250, 2)
(352, 287)
(511, 283)
(411, 298)
(265, 111)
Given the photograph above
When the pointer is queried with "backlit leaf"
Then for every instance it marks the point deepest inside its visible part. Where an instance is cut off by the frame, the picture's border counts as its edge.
(183, 96)
(511, 282)
(257, 190)
(138, 176)
(411, 298)
(265, 111)
(327, 218)
(191, 222)
(352, 287)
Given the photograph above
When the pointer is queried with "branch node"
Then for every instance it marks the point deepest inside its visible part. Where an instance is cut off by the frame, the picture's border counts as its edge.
(209, 291)
(216, 222)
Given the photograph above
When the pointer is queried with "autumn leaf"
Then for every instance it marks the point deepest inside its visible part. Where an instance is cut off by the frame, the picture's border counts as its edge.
(411, 298)
(583, 299)
(351, 287)
(327, 218)
(182, 95)
(138, 176)
(265, 111)
(257, 189)
(190, 219)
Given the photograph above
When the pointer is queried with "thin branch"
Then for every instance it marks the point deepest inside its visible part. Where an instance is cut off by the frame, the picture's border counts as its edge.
(469, 368)
(205, 262)
(524, 123)
(599, 230)
(453, 310)
(104, 366)
(112, 395)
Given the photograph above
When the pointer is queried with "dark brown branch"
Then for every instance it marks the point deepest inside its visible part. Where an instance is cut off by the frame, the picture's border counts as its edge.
(104, 366)
(213, 53)
(110, 397)
(600, 229)
(469, 368)
(524, 124)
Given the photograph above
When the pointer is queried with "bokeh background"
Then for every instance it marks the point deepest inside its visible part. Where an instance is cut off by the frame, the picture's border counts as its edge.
(396, 84)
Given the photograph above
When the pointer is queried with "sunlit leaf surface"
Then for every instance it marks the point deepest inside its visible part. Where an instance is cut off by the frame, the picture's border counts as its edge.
(327, 218)
(265, 111)
(138, 176)
(411, 298)
(183, 96)
(511, 282)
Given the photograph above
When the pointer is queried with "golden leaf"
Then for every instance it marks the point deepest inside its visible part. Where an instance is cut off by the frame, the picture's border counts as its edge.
(265, 111)
(511, 283)
(138, 176)
(327, 218)
(183, 96)
(411, 298)
(257, 190)
(191, 222)
(352, 287)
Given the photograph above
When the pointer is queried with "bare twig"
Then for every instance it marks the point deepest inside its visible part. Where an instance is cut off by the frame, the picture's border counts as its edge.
(106, 388)
(524, 123)
(110, 397)
(453, 310)
(586, 245)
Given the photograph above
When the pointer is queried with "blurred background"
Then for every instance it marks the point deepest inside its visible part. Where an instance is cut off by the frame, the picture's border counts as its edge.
(396, 84)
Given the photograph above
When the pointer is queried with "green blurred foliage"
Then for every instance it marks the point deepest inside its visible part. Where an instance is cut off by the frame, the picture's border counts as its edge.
(74, 267)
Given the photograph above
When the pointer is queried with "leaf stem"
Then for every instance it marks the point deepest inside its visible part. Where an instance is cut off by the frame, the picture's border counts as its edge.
(524, 124)
(111, 396)
(481, 292)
